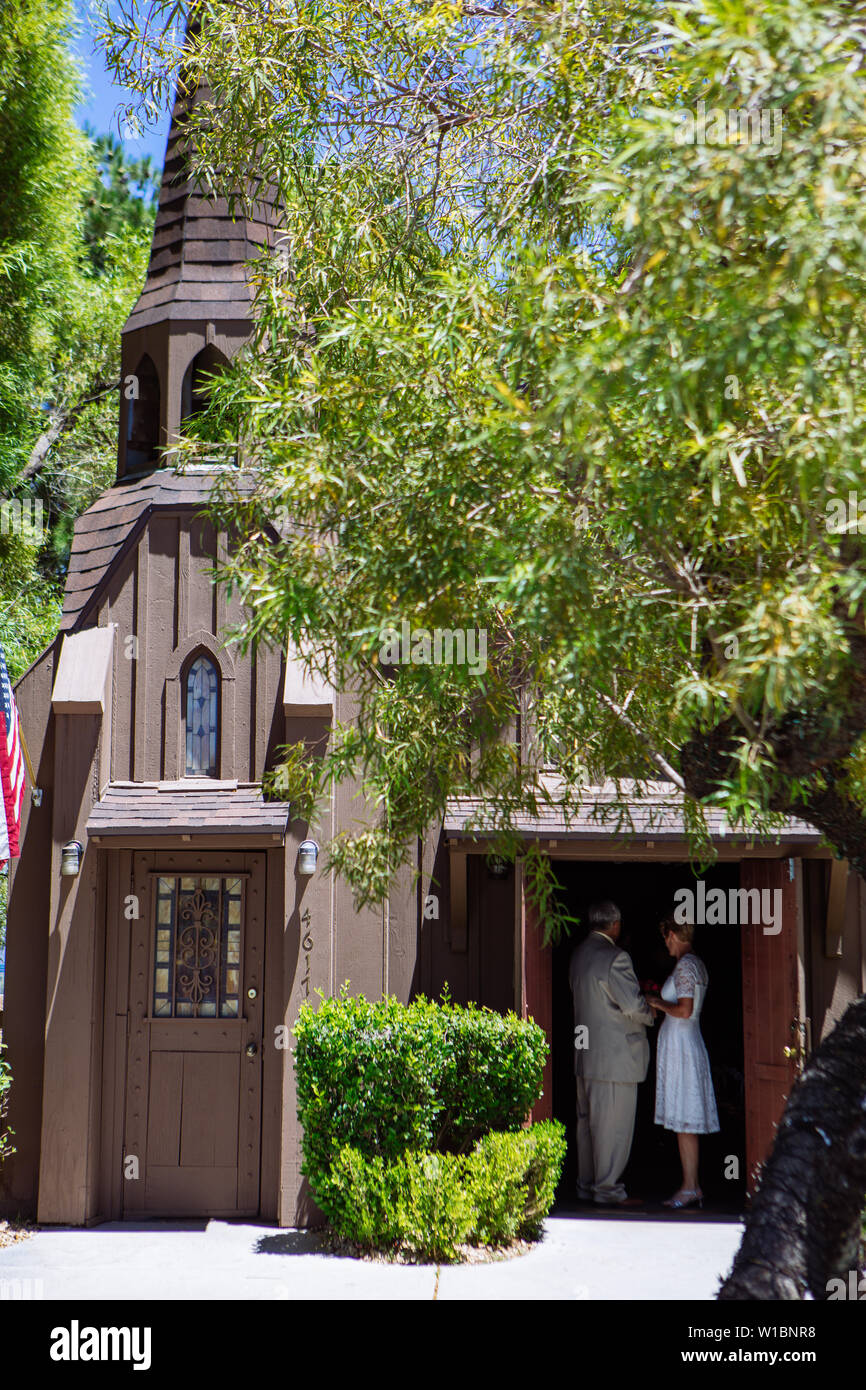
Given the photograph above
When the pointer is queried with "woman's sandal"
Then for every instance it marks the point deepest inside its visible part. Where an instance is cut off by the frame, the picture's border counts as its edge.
(686, 1197)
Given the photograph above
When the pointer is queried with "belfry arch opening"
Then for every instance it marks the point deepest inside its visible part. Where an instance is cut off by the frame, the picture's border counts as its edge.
(194, 395)
(142, 418)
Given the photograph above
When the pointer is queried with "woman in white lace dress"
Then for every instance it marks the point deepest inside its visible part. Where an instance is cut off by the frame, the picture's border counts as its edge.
(685, 1100)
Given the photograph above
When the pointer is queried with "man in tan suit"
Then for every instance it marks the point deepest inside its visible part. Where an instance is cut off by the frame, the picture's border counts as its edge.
(611, 1056)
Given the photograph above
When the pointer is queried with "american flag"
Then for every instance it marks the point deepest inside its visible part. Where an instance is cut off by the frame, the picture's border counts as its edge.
(11, 768)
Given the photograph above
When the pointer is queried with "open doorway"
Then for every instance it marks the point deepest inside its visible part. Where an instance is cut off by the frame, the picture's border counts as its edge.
(645, 894)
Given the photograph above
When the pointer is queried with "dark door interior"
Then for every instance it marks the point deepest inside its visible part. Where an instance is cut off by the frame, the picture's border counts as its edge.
(645, 894)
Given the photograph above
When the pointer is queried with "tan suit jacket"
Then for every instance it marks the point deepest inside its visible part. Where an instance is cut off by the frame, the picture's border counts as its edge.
(608, 1001)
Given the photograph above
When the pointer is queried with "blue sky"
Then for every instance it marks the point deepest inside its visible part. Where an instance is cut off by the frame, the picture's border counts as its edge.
(99, 108)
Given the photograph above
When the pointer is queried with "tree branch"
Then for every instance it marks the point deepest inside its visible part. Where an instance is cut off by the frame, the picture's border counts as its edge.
(655, 757)
(62, 421)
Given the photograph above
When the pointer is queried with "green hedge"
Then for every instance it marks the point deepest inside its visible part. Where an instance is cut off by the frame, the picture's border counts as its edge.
(385, 1077)
(429, 1204)
(412, 1118)
(514, 1180)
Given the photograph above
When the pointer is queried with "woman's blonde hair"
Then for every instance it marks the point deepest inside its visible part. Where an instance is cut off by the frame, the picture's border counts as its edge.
(683, 931)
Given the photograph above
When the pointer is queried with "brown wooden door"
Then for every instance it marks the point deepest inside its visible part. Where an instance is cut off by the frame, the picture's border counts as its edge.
(772, 973)
(537, 992)
(194, 1078)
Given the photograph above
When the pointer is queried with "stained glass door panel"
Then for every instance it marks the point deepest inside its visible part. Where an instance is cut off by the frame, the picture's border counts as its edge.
(197, 947)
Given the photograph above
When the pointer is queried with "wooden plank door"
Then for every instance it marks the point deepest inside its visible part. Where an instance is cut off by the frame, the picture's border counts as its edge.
(194, 1079)
(536, 990)
(772, 1005)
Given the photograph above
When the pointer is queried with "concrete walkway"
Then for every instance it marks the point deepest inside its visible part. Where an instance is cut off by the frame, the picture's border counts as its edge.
(579, 1258)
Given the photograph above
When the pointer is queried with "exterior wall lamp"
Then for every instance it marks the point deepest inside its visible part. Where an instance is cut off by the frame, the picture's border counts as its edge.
(497, 867)
(308, 853)
(70, 858)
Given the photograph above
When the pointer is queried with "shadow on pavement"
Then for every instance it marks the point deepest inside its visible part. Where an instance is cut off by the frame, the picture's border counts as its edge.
(293, 1243)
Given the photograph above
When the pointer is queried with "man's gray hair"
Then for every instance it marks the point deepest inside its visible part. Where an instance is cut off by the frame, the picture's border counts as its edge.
(604, 914)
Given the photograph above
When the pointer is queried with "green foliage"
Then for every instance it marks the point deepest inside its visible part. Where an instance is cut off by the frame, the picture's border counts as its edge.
(120, 199)
(543, 890)
(30, 609)
(429, 1204)
(535, 364)
(29, 621)
(6, 1135)
(384, 1077)
(411, 1122)
(75, 224)
(43, 170)
(419, 1202)
(513, 1180)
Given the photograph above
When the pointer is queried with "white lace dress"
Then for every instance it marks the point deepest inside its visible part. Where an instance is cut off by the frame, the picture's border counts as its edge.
(685, 1100)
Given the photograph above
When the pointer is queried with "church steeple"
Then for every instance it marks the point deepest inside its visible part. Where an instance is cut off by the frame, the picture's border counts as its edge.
(194, 311)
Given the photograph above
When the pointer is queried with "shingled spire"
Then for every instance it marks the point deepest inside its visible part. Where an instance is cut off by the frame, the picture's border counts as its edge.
(194, 311)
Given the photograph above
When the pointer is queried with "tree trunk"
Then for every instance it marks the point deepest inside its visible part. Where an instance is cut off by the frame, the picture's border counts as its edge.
(804, 1226)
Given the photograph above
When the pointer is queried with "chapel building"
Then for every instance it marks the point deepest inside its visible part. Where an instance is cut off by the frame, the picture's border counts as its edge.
(165, 924)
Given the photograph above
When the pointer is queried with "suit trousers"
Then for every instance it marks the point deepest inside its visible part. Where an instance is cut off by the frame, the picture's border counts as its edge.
(605, 1129)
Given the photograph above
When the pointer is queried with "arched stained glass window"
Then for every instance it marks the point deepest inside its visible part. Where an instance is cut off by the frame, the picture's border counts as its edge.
(202, 718)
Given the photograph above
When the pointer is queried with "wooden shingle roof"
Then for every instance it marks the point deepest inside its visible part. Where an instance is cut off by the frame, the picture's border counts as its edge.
(153, 808)
(109, 526)
(198, 257)
(657, 814)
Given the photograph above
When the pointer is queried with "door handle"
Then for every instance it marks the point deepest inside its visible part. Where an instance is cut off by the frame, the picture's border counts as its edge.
(251, 1049)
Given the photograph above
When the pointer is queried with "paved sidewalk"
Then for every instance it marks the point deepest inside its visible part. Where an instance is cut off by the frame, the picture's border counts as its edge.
(577, 1259)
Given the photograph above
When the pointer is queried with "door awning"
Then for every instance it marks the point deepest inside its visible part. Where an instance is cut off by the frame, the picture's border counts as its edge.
(653, 811)
(142, 809)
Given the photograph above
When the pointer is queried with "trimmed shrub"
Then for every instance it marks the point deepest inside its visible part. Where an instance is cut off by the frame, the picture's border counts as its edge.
(412, 1120)
(434, 1208)
(359, 1196)
(429, 1204)
(385, 1078)
(513, 1181)
(492, 1073)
